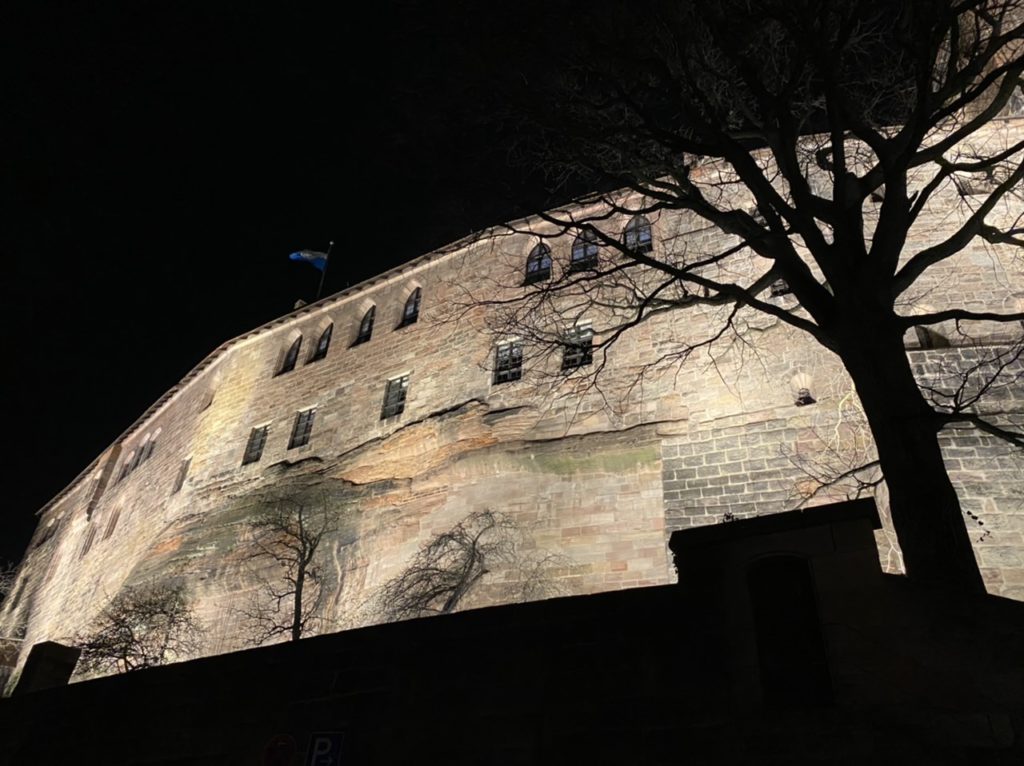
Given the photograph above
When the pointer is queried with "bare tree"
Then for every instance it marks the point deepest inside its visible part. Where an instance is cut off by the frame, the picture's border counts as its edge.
(8, 572)
(288, 534)
(141, 627)
(449, 566)
(837, 455)
(793, 148)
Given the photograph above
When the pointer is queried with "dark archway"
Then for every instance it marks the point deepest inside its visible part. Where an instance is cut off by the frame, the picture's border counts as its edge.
(790, 648)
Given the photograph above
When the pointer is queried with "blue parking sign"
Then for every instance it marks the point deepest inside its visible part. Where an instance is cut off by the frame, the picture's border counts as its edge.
(324, 748)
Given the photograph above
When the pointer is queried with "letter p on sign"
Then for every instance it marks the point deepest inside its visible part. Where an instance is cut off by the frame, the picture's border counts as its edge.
(324, 749)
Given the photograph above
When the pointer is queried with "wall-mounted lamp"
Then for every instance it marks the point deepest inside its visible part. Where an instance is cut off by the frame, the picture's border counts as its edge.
(801, 383)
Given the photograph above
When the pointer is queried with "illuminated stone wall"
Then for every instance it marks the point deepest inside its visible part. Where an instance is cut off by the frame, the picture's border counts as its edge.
(595, 477)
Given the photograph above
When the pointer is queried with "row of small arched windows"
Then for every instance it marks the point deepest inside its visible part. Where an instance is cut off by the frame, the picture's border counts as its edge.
(636, 238)
(410, 314)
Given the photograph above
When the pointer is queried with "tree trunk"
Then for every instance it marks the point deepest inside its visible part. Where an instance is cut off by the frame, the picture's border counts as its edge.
(924, 505)
(300, 581)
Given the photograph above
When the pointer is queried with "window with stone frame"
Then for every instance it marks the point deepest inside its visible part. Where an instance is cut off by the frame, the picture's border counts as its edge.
(291, 357)
(584, 251)
(138, 456)
(411, 311)
(179, 481)
(254, 447)
(538, 264)
(508, 361)
(636, 237)
(394, 397)
(366, 326)
(126, 466)
(578, 348)
(302, 429)
(149, 446)
(323, 343)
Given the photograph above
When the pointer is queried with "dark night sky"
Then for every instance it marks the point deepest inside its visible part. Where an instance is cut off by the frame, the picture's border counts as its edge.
(159, 162)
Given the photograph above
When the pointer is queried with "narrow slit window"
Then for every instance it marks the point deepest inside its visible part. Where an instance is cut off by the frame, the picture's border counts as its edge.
(394, 397)
(147, 450)
(538, 264)
(508, 362)
(138, 456)
(112, 524)
(179, 481)
(584, 251)
(322, 344)
(578, 350)
(254, 447)
(302, 429)
(411, 312)
(89, 537)
(366, 326)
(291, 356)
(637, 236)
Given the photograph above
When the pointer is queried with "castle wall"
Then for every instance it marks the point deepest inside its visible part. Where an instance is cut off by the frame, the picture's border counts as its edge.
(594, 472)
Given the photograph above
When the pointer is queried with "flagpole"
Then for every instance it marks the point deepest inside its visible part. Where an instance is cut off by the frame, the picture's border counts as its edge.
(323, 274)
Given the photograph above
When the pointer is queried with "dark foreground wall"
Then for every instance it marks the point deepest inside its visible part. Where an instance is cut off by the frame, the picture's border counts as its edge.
(844, 665)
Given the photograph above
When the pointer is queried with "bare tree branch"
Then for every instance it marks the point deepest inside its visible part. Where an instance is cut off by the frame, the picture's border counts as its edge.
(288, 533)
(785, 157)
(452, 564)
(141, 627)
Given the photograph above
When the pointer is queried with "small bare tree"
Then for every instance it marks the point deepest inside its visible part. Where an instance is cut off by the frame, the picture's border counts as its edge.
(288, 535)
(7, 575)
(142, 627)
(451, 564)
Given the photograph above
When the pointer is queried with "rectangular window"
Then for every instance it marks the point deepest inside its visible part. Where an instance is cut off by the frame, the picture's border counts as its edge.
(579, 348)
(179, 482)
(303, 428)
(394, 397)
(254, 447)
(508, 361)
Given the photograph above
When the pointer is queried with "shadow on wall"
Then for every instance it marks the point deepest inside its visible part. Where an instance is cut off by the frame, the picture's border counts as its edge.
(783, 643)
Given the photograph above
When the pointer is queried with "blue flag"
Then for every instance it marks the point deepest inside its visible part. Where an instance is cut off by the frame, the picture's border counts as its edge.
(312, 257)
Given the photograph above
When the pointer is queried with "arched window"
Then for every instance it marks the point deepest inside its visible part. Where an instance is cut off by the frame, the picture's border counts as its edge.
(291, 357)
(411, 312)
(584, 251)
(147, 448)
(538, 264)
(322, 344)
(365, 326)
(637, 236)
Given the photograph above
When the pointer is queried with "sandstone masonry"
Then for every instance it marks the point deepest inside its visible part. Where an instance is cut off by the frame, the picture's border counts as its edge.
(597, 477)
